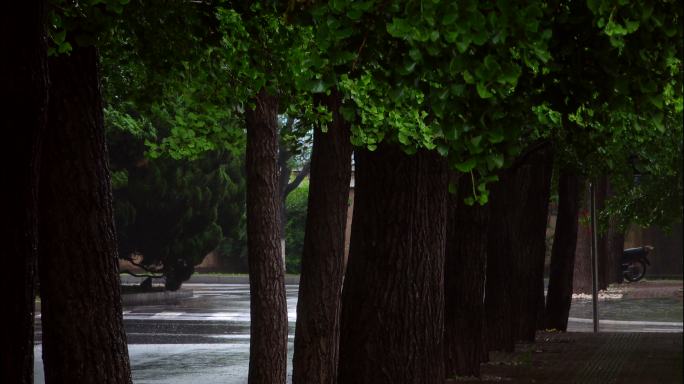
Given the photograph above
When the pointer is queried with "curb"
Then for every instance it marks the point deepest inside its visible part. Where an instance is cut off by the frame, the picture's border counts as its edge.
(209, 279)
(152, 298)
(149, 298)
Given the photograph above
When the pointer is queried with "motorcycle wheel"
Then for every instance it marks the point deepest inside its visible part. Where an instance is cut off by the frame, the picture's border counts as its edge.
(635, 271)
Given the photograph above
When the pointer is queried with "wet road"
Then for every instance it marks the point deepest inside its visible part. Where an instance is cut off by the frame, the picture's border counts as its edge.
(205, 339)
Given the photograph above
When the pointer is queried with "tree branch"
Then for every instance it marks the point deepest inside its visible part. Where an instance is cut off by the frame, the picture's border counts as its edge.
(529, 151)
(306, 169)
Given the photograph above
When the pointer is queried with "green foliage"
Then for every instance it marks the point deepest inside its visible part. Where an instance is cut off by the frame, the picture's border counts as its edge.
(176, 89)
(612, 95)
(435, 75)
(649, 183)
(260, 50)
(475, 81)
(296, 205)
(79, 23)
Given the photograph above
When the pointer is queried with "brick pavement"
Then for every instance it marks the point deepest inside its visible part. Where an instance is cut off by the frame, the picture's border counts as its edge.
(619, 358)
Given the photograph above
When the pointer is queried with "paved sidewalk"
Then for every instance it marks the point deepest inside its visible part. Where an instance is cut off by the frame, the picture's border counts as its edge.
(620, 358)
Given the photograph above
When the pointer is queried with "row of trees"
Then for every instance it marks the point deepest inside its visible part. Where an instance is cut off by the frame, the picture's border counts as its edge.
(482, 100)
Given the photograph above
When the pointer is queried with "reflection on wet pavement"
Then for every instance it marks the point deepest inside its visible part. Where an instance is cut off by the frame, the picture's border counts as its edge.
(205, 339)
(660, 309)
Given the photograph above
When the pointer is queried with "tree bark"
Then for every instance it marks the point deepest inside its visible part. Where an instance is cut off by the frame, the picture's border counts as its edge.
(320, 285)
(393, 297)
(498, 300)
(559, 297)
(83, 335)
(464, 279)
(532, 188)
(24, 108)
(581, 277)
(614, 245)
(268, 307)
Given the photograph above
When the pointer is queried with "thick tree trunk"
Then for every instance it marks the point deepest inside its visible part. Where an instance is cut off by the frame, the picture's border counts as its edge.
(24, 107)
(393, 298)
(268, 342)
(464, 279)
(83, 335)
(320, 285)
(484, 351)
(498, 300)
(531, 193)
(559, 297)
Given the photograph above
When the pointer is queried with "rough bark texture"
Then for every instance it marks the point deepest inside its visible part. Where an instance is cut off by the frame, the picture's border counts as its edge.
(268, 308)
(393, 297)
(498, 300)
(464, 279)
(83, 334)
(559, 296)
(320, 285)
(531, 192)
(615, 240)
(581, 276)
(24, 106)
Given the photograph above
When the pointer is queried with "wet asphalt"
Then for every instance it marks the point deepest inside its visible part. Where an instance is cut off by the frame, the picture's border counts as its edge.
(205, 339)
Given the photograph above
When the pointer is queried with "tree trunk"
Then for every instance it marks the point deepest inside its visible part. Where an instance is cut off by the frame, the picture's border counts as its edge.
(602, 238)
(581, 276)
(464, 278)
(582, 280)
(24, 108)
(83, 335)
(498, 300)
(393, 298)
(531, 193)
(268, 342)
(320, 285)
(559, 297)
(614, 245)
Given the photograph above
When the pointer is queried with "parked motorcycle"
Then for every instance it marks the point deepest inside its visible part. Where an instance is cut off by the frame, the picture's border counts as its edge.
(634, 262)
